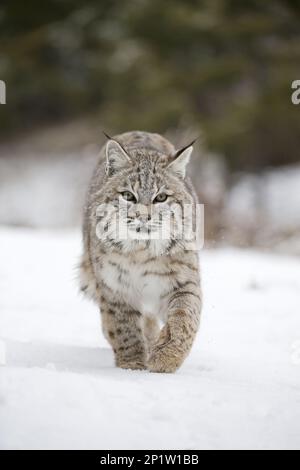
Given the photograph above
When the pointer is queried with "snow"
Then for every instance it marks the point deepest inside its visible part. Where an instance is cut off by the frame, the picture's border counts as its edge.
(239, 389)
(264, 209)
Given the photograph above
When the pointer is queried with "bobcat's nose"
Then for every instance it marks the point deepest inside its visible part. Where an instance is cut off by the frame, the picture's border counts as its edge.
(144, 218)
(143, 214)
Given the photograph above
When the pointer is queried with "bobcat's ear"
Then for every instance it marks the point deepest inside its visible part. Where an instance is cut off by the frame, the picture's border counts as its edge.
(180, 161)
(116, 157)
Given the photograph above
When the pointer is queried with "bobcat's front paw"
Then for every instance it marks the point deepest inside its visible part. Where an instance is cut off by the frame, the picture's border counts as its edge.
(166, 355)
(129, 357)
(132, 365)
(164, 361)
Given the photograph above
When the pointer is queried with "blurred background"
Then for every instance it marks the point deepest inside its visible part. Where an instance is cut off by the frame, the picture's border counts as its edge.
(218, 69)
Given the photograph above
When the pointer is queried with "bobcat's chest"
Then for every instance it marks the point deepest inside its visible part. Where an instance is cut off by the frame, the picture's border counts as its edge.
(141, 288)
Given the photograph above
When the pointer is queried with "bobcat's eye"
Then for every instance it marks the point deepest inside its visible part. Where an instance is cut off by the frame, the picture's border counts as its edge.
(162, 197)
(128, 196)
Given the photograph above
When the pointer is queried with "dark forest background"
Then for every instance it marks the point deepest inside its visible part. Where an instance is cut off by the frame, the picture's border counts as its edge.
(220, 67)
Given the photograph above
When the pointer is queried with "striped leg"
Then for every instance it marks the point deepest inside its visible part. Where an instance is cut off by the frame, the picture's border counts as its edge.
(122, 327)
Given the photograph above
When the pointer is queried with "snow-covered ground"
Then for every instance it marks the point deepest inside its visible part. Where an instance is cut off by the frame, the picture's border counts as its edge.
(240, 387)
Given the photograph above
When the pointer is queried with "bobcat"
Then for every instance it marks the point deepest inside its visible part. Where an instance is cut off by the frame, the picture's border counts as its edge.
(143, 278)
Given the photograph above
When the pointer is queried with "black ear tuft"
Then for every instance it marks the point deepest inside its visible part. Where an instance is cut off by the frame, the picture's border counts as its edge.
(181, 150)
(107, 136)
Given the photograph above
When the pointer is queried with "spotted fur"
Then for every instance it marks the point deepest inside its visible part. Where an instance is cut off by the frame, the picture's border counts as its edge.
(148, 290)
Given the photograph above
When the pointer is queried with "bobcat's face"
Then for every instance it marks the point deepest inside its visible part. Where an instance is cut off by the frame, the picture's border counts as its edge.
(146, 197)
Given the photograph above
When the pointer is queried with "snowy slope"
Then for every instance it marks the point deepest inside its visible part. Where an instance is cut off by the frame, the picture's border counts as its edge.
(240, 387)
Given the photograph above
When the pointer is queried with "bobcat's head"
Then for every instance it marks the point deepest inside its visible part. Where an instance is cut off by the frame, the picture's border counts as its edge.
(146, 198)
